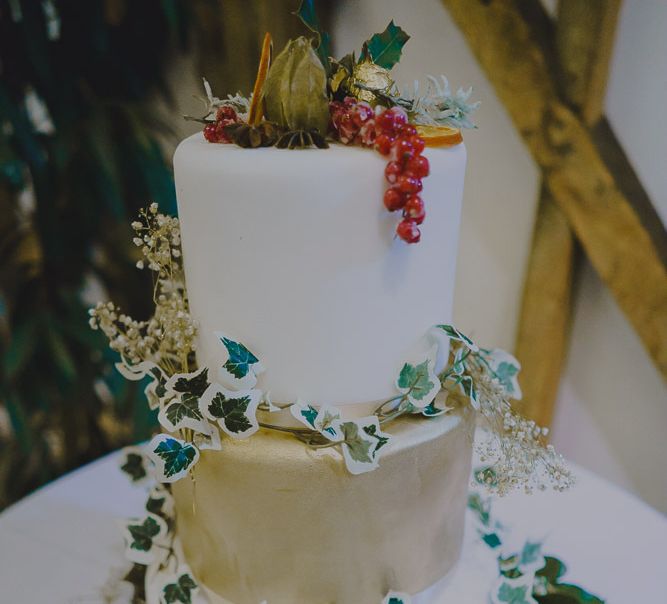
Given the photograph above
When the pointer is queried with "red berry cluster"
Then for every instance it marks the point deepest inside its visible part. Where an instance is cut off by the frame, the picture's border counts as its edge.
(390, 133)
(214, 132)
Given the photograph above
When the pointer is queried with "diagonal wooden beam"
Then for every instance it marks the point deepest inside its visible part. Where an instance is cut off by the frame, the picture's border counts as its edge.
(583, 37)
(599, 213)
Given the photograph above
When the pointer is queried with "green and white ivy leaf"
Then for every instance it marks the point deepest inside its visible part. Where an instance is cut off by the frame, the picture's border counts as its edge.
(241, 367)
(458, 365)
(135, 372)
(208, 438)
(321, 419)
(358, 445)
(194, 383)
(182, 411)
(433, 410)
(161, 502)
(145, 539)
(173, 457)
(531, 558)
(419, 382)
(385, 49)
(373, 430)
(492, 540)
(395, 597)
(468, 387)
(181, 590)
(266, 400)
(455, 334)
(514, 591)
(136, 464)
(235, 411)
(481, 509)
(506, 370)
(156, 391)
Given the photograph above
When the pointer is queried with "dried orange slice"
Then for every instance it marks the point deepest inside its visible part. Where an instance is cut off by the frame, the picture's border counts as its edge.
(255, 113)
(440, 136)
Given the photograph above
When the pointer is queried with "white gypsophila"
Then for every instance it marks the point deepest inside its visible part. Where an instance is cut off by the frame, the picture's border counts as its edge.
(437, 106)
(239, 102)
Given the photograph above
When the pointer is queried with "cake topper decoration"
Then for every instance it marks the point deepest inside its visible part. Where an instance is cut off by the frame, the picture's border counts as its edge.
(306, 98)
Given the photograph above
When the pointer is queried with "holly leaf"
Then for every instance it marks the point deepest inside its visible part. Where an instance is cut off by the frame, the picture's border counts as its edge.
(455, 334)
(144, 538)
(419, 382)
(194, 383)
(182, 412)
(306, 12)
(173, 457)
(235, 411)
(180, 591)
(241, 365)
(133, 463)
(385, 49)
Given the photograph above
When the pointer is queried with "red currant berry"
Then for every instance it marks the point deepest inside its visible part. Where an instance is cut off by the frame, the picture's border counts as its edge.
(417, 144)
(210, 132)
(393, 199)
(418, 165)
(408, 231)
(402, 150)
(407, 183)
(226, 113)
(408, 130)
(414, 209)
(400, 117)
(361, 113)
(392, 171)
(383, 143)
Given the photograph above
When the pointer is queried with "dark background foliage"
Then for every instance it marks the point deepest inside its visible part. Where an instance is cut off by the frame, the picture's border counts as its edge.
(98, 71)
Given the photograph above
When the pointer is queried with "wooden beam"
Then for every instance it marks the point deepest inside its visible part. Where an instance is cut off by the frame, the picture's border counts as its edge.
(601, 216)
(543, 331)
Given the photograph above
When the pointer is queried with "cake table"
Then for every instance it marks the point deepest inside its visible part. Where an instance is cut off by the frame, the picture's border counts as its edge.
(61, 545)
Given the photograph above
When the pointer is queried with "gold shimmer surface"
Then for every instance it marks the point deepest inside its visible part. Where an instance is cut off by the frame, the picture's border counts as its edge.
(274, 520)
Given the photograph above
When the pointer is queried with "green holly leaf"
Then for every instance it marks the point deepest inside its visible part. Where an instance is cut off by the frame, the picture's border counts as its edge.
(182, 412)
(419, 382)
(194, 383)
(515, 595)
(385, 49)
(134, 464)
(235, 411)
(455, 334)
(173, 457)
(180, 591)
(306, 12)
(241, 364)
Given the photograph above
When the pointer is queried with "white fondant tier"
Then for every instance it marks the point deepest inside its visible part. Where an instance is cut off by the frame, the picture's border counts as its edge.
(293, 254)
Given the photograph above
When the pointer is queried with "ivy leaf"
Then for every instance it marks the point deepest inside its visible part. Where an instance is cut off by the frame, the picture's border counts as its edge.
(235, 411)
(194, 383)
(208, 438)
(180, 591)
(385, 49)
(468, 387)
(173, 457)
(241, 365)
(136, 372)
(553, 569)
(531, 554)
(492, 540)
(362, 438)
(182, 412)
(510, 594)
(322, 420)
(156, 390)
(419, 382)
(562, 593)
(455, 334)
(143, 538)
(432, 411)
(506, 370)
(160, 502)
(306, 12)
(481, 508)
(133, 463)
(394, 597)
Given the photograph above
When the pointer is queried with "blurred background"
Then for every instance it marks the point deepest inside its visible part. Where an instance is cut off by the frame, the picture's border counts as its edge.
(563, 245)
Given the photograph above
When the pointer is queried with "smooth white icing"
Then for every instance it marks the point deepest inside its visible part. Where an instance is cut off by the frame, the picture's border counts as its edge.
(293, 254)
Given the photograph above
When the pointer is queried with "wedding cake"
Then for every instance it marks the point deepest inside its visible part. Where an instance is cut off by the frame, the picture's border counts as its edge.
(317, 408)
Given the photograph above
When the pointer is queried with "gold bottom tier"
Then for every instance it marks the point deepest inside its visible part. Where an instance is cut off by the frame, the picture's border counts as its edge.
(273, 520)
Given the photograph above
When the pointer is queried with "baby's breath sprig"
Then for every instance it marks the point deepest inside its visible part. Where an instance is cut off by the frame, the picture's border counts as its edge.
(168, 337)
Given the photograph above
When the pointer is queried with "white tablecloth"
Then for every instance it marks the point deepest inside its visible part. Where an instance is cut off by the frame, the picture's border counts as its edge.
(61, 545)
